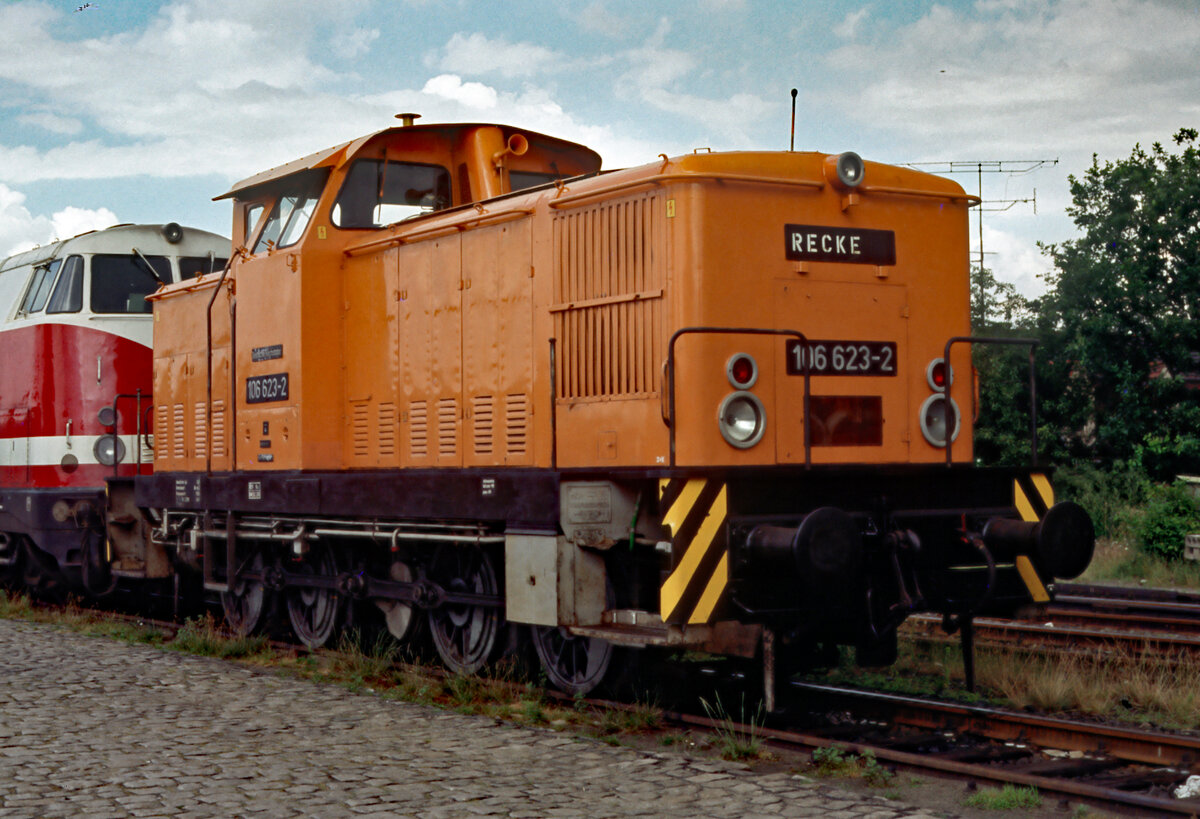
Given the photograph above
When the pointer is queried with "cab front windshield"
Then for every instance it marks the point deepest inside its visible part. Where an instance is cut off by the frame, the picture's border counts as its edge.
(120, 283)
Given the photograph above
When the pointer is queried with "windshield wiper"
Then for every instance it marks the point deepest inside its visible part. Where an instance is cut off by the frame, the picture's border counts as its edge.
(149, 266)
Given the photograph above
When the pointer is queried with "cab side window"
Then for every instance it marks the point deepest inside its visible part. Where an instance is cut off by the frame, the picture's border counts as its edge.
(191, 267)
(68, 292)
(292, 210)
(378, 193)
(39, 287)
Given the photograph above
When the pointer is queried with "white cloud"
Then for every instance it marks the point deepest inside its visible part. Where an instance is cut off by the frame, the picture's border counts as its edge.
(1013, 259)
(656, 73)
(354, 43)
(21, 230)
(473, 95)
(51, 122)
(848, 27)
(479, 55)
(597, 18)
(71, 221)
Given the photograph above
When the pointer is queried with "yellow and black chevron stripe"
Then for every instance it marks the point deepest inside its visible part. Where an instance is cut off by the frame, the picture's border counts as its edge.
(694, 510)
(1033, 496)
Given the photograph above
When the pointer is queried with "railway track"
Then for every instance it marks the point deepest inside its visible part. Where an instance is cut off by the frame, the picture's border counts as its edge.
(1082, 618)
(1114, 767)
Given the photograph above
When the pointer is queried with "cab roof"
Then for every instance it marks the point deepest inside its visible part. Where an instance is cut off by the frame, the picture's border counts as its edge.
(336, 156)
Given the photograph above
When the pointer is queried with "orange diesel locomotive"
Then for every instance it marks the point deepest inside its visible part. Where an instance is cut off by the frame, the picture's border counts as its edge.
(457, 371)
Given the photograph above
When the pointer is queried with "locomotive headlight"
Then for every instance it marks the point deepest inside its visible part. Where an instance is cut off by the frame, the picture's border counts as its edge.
(742, 419)
(845, 171)
(109, 450)
(934, 418)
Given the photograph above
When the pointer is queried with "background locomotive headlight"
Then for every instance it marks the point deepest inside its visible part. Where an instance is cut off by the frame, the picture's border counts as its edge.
(109, 450)
(742, 419)
(934, 417)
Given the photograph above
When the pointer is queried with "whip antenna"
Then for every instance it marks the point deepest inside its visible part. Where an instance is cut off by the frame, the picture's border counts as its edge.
(792, 145)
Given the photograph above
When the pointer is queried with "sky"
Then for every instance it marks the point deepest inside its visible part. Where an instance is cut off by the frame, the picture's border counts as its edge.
(126, 111)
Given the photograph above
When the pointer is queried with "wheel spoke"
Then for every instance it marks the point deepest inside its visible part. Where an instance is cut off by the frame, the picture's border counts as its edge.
(315, 613)
(246, 601)
(464, 635)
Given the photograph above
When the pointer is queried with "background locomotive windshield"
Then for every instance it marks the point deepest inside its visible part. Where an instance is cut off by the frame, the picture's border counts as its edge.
(142, 111)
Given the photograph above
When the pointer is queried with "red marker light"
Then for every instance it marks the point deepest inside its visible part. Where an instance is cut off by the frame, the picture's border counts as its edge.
(938, 375)
(741, 370)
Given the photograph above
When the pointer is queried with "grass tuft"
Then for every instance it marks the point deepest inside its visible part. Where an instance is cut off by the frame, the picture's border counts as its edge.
(202, 636)
(740, 739)
(1010, 797)
(834, 761)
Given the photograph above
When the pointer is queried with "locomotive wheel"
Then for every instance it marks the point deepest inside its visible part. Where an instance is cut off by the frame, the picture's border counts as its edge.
(573, 664)
(245, 603)
(315, 613)
(401, 620)
(465, 635)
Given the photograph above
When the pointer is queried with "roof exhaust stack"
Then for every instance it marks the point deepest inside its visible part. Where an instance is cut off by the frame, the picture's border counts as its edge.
(406, 120)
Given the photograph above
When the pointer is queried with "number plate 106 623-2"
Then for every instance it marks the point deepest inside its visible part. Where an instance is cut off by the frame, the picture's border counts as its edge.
(842, 357)
(263, 388)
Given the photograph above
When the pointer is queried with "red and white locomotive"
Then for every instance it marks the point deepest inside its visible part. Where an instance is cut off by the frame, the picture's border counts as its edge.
(75, 331)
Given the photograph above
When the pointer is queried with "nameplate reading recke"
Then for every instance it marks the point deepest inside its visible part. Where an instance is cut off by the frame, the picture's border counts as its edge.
(814, 243)
(266, 353)
(263, 388)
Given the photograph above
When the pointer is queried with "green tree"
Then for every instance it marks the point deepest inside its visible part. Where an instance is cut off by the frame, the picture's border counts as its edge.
(1119, 321)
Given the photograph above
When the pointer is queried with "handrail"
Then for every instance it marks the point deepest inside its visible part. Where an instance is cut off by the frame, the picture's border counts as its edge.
(1032, 343)
(969, 198)
(750, 331)
(440, 229)
(136, 397)
(659, 179)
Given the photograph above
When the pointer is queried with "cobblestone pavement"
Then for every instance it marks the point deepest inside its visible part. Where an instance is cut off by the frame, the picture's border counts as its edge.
(96, 728)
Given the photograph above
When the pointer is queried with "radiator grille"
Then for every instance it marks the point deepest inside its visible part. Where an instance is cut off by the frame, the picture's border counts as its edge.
(179, 444)
(418, 429)
(360, 428)
(387, 429)
(609, 276)
(483, 424)
(162, 432)
(516, 424)
(218, 429)
(447, 427)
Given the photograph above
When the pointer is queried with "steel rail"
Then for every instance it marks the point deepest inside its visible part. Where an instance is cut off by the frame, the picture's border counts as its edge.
(1130, 744)
(1073, 637)
(1127, 744)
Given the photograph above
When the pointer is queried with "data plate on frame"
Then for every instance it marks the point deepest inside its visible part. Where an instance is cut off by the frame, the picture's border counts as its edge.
(842, 357)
